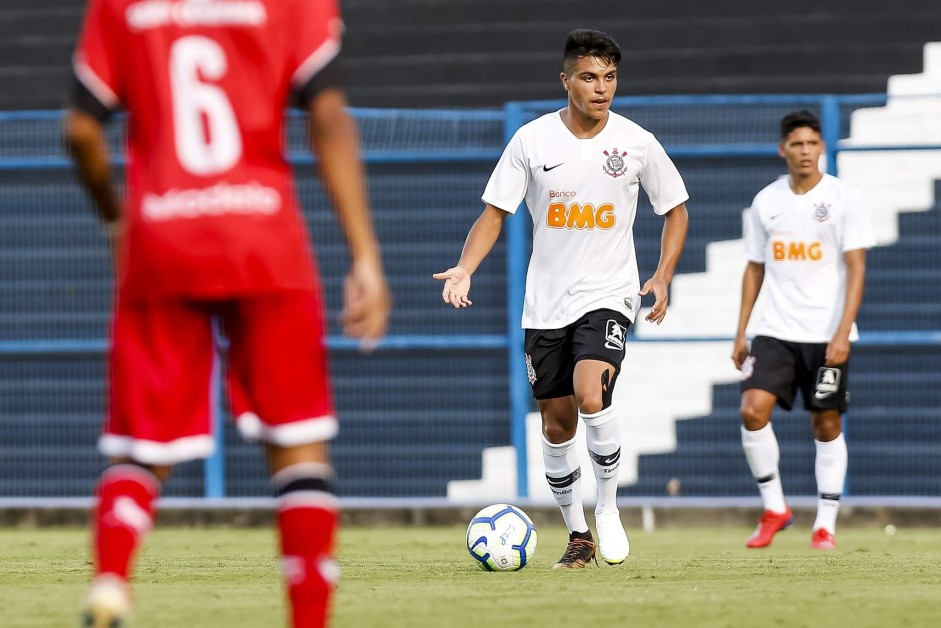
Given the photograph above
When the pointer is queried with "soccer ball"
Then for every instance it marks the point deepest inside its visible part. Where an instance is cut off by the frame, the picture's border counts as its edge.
(501, 538)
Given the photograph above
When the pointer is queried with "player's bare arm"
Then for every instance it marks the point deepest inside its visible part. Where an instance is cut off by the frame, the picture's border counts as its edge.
(675, 225)
(335, 141)
(85, 139)
(752, 279)
(480, 240)
(838, 349)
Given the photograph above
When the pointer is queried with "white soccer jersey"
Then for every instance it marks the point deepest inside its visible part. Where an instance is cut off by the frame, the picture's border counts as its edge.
(801, 239)
(582, 194)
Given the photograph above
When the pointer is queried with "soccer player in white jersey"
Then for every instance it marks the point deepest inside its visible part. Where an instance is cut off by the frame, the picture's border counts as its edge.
(579, 170)
(806, 237)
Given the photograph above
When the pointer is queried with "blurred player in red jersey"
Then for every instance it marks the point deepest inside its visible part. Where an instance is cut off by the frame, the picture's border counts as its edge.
(210, 227)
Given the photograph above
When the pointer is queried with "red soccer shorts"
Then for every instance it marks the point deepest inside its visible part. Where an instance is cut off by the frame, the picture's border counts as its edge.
(162, 364)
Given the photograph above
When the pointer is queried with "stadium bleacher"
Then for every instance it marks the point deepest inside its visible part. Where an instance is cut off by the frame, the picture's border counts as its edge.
(891, 427)
(55, 285)
(473, 53)
(405, 433)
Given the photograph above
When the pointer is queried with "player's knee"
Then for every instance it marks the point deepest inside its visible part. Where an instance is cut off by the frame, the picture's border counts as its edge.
(593, 400)
(590, 403)
(162, 472)
(825, 435)
(159, 471)
(557, 433)
(827, 426)
(754, 417)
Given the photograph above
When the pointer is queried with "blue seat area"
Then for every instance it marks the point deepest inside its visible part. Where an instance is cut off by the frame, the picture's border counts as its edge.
(413, 420)
(902, 279)
(56, 277)
(892, 430)
(440, 409)
(892, 427)
(410, 421)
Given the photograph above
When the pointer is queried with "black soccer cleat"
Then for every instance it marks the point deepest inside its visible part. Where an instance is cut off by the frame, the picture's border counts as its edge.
(579, 552)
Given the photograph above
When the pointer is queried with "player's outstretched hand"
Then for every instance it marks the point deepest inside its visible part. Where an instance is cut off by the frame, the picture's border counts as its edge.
(662, 296)
(457, 283)
(740, 352)
(366, 303)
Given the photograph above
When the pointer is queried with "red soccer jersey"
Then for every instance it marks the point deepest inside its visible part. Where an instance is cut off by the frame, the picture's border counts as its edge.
(210, 209)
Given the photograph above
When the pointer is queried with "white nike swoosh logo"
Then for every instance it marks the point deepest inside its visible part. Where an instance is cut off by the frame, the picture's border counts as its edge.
(820, 395)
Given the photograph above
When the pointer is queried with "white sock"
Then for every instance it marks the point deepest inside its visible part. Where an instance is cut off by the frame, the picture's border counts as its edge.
(830, 469)
(762, 454)
(604, 448)
(564, 476)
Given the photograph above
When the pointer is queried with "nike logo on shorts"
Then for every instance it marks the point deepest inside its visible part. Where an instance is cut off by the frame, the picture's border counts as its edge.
(828, 382)
(548, 168)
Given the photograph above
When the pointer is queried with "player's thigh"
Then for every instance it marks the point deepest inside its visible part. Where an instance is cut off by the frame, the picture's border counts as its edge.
(160, 367)
(549, 362)
(598, 344)
(278, 370)
(771, 366)
(823, 387)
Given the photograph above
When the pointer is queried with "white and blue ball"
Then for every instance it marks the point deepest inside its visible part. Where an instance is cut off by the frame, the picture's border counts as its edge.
(501, 538)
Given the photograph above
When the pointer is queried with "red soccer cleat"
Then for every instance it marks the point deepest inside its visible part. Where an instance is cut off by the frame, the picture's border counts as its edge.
(822, 540)
(770, 524)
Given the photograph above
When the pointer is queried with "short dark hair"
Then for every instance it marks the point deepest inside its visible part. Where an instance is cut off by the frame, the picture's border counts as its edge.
(798, 119)
(586, 42)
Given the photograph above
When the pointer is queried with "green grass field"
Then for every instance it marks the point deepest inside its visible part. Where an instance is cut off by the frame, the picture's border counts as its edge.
(201, 578)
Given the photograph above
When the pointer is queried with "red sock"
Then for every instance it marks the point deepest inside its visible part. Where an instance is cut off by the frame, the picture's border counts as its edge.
(307, 518)
(123, 517)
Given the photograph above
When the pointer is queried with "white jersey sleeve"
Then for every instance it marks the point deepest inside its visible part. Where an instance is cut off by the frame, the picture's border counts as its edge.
(661, 179)
(857, 228)
(510, 179)
(755, 236)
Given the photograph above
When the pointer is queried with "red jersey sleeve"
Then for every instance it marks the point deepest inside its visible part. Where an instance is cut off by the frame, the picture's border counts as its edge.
(97, 58)
(318, 30)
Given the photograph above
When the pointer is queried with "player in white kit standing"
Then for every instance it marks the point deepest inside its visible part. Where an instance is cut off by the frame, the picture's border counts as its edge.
(806, 237)
(579, 170)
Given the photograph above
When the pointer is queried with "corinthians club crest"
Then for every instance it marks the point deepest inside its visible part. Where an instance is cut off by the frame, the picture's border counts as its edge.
(821, 211)
(530, 371)
(615, 165)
